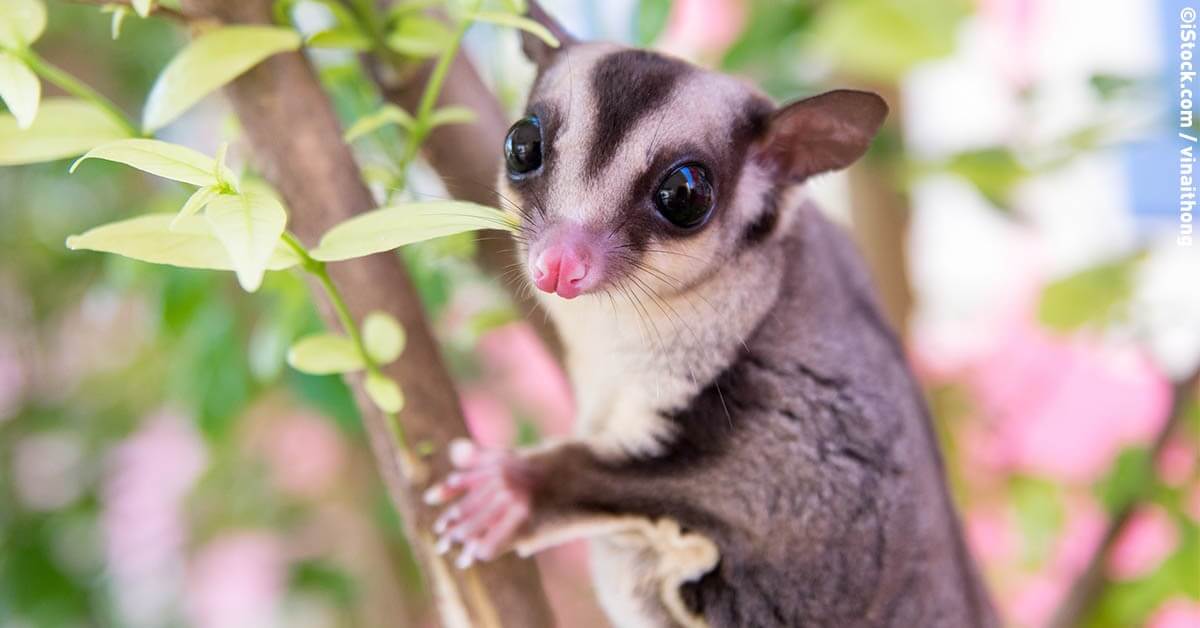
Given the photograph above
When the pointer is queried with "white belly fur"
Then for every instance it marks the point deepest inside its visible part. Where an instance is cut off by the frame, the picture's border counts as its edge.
(627, 368)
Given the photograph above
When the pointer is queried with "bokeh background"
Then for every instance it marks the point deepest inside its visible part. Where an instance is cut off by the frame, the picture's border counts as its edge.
(160, 466)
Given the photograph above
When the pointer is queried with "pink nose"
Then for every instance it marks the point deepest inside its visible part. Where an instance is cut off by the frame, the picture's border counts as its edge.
(562, 268)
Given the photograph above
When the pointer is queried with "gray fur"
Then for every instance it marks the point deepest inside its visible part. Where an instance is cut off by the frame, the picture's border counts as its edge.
(738, 381)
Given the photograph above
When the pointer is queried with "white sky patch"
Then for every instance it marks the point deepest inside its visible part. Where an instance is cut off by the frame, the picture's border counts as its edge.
(961, 102)
(970, 267)
(1081, 212)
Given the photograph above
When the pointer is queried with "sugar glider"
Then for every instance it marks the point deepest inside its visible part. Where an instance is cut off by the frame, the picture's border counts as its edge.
(752, 449)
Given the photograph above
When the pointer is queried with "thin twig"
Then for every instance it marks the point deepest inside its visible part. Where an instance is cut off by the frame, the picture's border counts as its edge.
(1091, 583)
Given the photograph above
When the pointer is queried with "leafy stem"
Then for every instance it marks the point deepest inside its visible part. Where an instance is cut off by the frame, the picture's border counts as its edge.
(76, 88)
(429, 98)
(408, 463)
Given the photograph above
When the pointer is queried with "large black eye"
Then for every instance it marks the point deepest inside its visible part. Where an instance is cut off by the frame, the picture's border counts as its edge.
(686, 196)
(523, 146)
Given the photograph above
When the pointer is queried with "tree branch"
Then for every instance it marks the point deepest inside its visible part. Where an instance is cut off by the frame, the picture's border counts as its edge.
(1091, 583)
(298, 146)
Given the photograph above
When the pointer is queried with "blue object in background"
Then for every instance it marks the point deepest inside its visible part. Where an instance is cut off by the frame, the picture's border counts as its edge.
(1153, 164)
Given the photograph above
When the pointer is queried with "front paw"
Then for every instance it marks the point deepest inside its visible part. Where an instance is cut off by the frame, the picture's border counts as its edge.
(488, 501)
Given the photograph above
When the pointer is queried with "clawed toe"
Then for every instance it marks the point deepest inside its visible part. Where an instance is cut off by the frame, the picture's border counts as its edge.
(484, 506)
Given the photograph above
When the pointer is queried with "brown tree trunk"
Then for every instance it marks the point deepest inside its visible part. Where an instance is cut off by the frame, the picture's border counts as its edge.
(880, 214)
(298, 146)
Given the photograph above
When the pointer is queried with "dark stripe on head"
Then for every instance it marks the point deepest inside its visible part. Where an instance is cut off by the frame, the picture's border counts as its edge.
(724, 160)
(764, 224)
(628, 86)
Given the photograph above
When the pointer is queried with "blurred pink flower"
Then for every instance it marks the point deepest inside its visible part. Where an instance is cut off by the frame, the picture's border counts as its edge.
(526, 373)
(1034, 601)
(1176, 462)
(1077, 542)
(12, 379)
(490, 422)
(237, 581)
(305, 453)
(1013, 22)
(1064, 407)
(150, 474)
(991, 534)
(1037, 595)
(48, 470)
(571, 597)
(702, 28)
(1179, 612)
(1148, 538)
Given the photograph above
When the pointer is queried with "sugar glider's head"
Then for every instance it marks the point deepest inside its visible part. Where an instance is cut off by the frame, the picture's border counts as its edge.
(634, 170)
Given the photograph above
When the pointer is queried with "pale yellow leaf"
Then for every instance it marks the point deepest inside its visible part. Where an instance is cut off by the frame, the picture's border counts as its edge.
(19, 89)
(384, 392)
(249, 226)
(208, 62)
(392, 227)
(196, 202)
(167, 160)
(387, 114)
(419, 36)
(324, 354)
(342, 36)
(21, 22)
(143, 7)
(383, 337)
(63, 128)
(189, 243)
(518, 22)
(451, 115)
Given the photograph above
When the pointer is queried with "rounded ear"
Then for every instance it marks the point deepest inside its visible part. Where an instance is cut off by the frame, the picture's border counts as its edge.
(823, 133)
(538, 51)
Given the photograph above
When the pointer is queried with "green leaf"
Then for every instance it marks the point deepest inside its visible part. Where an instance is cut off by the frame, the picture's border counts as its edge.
(995, 172)
(882, 39)
(63, 128)
(387, 114)
(401, 10)
(167, 160)
(143, 7)
(419, 36)
(1091, 296)
(516, 6)
(451, 115)
(391, 227)
(518, 22)
(119, 13)
(376, 174)
(1131, 475)
(19, 89)
(21, 22)
(249, 226)
(341, 36)
(384, 392)
(196, 202)
(167, 239)
(210, 61)
(383, 337)
(649, 20)
(323, 354)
